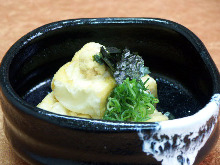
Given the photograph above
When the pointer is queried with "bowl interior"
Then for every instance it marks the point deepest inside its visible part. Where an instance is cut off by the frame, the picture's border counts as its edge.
(183, 79)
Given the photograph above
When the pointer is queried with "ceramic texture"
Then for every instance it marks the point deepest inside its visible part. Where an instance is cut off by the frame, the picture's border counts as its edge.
(188, 86)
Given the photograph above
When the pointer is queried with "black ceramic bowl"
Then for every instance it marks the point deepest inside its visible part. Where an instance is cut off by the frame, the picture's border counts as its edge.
(188, 87)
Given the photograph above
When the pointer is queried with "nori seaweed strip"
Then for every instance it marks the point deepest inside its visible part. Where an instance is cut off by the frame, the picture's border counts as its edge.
(122, 64)
(111, 56)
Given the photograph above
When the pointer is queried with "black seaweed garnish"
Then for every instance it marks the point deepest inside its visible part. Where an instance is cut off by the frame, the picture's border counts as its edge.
(122, 64)
(130, 65)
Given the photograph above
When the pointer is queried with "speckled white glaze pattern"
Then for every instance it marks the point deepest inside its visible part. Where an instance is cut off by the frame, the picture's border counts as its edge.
(178, 141)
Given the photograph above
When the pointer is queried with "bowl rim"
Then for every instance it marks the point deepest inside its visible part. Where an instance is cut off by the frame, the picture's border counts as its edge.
(95, 124)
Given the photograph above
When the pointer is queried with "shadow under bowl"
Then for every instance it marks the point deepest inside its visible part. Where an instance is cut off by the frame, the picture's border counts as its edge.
(188, 87)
